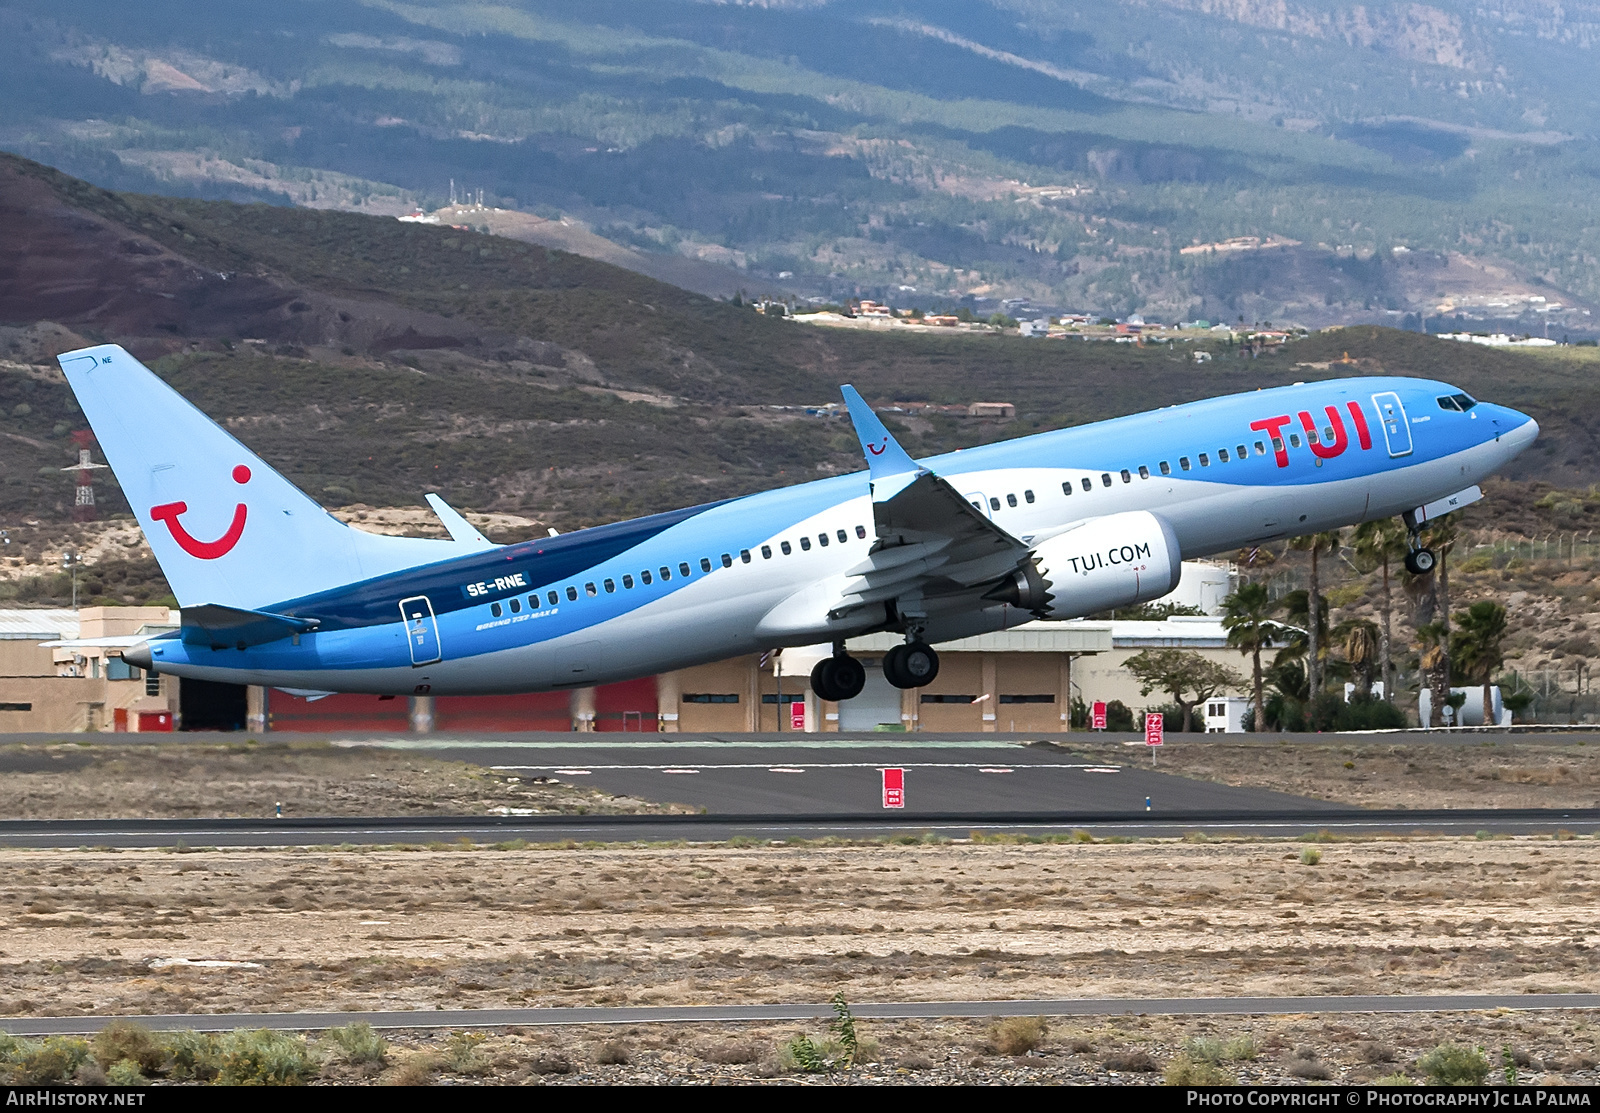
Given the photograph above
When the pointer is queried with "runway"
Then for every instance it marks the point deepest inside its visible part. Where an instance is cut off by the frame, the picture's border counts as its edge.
(363, 830)
(723, 1014)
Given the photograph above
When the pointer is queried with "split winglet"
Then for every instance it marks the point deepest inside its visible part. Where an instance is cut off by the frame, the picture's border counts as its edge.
(885, 458)
(461, 531)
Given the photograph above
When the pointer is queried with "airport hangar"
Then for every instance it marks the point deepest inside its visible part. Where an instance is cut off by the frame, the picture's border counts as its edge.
(61, 670)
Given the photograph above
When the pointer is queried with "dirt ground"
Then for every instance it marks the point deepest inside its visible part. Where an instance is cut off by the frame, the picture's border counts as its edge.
(85, 780)
(1547, 1048)
(1380, 771)
(416, 928)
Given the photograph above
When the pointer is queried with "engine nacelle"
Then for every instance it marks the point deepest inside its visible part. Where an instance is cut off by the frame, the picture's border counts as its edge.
(1101, 563)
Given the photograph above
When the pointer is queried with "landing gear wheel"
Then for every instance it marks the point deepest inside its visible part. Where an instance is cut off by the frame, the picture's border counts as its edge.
(838, 678)
(911, 666)
(1419, 562)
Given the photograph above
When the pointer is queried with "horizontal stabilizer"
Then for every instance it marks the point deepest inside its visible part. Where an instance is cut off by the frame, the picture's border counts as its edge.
(232, 628)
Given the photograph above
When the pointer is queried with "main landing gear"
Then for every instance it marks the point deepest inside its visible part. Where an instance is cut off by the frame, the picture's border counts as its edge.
(913, 665)
(839, 677)
(842, 677)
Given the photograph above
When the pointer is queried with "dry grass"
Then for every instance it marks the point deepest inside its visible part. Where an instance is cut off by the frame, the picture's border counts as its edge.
(1500, 772)
(184, 779)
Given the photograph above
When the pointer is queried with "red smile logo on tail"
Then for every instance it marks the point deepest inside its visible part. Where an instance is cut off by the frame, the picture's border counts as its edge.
(204, 550)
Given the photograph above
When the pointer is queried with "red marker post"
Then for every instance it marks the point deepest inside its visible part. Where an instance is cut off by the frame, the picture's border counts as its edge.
(894, 788)
(1153, 732)
(1097, 715)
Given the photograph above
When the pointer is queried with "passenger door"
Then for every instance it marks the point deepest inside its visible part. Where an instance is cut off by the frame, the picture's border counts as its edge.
(422, 630)
(1396, 429)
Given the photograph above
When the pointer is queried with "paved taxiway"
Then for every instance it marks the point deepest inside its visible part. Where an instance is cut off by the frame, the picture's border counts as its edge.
(703, 1014)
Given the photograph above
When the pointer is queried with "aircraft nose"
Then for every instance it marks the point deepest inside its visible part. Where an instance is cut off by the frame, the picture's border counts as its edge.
(139, 656)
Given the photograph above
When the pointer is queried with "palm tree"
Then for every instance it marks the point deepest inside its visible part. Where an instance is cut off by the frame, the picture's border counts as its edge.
(1440, 536)
(1316, 544)
(1377, 543)
(1360, 639)
(1476, 647)
(1247, 616)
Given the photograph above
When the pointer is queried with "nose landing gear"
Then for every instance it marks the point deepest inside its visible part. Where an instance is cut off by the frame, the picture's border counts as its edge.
(1420, 561)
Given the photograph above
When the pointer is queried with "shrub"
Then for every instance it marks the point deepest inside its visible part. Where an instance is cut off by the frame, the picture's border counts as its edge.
(809, 1056)
(124, 1039)
(416, 1070)
(1396, 1079)
(1310, 856)
(358, 1043)
(1186, 1070)
(1132, 1059)
(125, 1072)
(1373, 1052)
(1242, 1048)
(463, 1054)
(261, 1057)
(1310, 1069)
(731, 1053)
(52, 1060)
(1204, 1049)
(612, 1054)
(1017, 1035)
(196, 1056)
(1449, 1065)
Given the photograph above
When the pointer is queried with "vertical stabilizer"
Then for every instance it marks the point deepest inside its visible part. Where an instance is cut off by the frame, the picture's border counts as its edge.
(225, 527)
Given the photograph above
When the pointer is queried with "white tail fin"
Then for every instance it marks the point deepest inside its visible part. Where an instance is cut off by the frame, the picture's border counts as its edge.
(225, 527)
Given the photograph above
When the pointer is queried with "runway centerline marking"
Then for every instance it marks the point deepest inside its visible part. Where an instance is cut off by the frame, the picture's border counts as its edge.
(801, 766)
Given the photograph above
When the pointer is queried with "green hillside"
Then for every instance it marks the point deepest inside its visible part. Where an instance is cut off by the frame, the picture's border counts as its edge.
(925, 151)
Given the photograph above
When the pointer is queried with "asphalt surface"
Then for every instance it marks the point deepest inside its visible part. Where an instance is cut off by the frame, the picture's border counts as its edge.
(689, 1014)
(371, 830)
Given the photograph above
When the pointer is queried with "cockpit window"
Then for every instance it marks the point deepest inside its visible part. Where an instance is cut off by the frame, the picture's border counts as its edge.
(1460, 403)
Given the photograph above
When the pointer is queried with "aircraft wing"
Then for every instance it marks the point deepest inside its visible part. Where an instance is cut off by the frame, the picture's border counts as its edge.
(931, 540)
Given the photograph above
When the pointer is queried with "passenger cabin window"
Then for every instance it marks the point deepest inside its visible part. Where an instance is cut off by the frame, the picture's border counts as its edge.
(494, 609)
(994, 504)
(766, 552)
(1126, 476)
(805, 543)
(1205, 461)
(1261, 449)
(1243, 452)
(842, 536)
(861, 531)
(553, 599)
(1277, 444)
(786, 547)
(1144, 472)
(744, 555)
(516, 606)
(645, 577)
(1087, 486)
(590, 589)
(1166, 468)
(1183, 462)
(727, 560)
(822, 539)
(705, 564)
(610, 585)
(683, 569)
(1222, 456)
(1294, 440)
(572, 595)
(1105, 479)
(1066, 487)
(1027, 496)
(666, 573)
(1311, 435)
(1011, 500)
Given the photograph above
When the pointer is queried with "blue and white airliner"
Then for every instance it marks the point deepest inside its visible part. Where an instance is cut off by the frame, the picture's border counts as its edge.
(275, 591)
